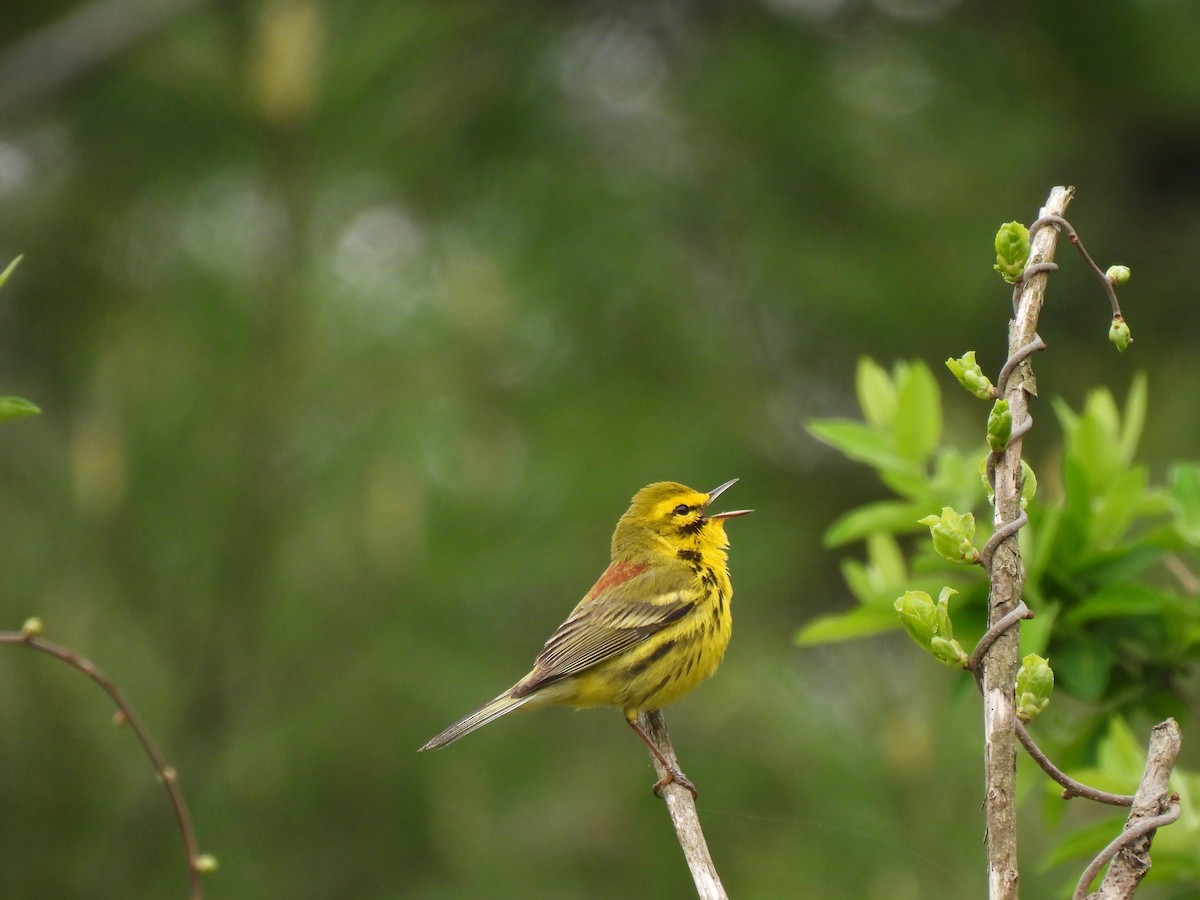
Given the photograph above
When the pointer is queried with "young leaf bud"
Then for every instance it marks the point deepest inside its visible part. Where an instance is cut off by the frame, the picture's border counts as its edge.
(1012, 250)
(971, 376)
(948, 651)
(999, 426)
(919, 616)
(952, 535)
(1035, 683)
(1028, 484)
(1119, 333)
(32, 627)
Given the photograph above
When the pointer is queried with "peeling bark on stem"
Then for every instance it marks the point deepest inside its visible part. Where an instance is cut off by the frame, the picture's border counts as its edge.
(1007, 577)
(682, 808)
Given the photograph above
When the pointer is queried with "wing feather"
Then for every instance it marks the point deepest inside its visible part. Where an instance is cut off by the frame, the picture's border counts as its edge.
(597, 631)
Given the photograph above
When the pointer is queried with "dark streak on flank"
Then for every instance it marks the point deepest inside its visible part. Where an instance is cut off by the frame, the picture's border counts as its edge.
(659, 652)
(689, 555)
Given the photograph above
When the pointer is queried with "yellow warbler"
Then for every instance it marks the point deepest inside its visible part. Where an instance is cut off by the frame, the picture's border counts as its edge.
(654, 625)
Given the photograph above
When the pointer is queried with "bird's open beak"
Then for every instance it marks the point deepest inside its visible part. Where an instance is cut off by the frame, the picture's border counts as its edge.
(715, 493)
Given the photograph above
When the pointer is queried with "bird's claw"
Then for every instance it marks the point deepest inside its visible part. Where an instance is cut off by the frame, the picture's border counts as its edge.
(674, 776)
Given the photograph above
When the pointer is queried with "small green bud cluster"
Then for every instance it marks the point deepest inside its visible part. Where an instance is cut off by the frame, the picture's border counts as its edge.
(1012, 251)
(952, 535)
(999, 426)
(1035, 683)
(928, 623)
(971, 376)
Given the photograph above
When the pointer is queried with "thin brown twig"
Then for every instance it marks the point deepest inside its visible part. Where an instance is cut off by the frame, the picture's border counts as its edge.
(1071, 787)
(1186, 577)
(681, 806)
(1021, 611)
(1019, 356)
(1143, 828)
(1065, 226)
(1030, 270)
(999, 536)
(197, 864)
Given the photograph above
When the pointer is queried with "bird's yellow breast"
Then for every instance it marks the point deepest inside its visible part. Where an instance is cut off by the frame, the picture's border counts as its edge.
(671, 662)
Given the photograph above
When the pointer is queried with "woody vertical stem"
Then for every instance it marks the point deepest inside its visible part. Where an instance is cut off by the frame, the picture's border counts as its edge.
(1007, 577)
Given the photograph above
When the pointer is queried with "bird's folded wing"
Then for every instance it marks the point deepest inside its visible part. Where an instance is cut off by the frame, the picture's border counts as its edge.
(597, 632)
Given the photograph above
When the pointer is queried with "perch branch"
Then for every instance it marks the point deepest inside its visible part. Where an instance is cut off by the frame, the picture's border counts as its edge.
(681, 806)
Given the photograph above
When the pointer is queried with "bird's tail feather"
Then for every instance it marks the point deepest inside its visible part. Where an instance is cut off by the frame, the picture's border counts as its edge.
(489, 712)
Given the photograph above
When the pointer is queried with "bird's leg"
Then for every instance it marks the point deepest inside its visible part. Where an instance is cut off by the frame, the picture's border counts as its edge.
(673, 776)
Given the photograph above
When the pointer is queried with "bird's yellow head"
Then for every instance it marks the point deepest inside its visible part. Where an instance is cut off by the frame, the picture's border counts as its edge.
(668, 517)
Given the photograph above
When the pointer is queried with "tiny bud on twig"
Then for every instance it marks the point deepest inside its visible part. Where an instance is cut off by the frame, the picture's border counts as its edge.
(1119, 334)
(1035, 682)
(205, 863)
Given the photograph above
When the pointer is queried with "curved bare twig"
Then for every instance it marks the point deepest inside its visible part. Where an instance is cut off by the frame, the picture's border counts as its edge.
(197, 863)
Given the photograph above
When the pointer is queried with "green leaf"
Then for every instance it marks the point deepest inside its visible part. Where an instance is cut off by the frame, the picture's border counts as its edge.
(876, 393)
(1084, 841)
(1075, 524)
(1114, 510)
(859, 442)
(1134, 419)
(1185, 494)
(1120, 755)
(863, 621)
(1083, 669)
(884, 572)
(887, 559)
(862, 581)
(918, 423)
(15, 407)
(8, 270)
(1035, 632)
(910, 484)
(1116, 601)
(888, 516)
(1041, 534)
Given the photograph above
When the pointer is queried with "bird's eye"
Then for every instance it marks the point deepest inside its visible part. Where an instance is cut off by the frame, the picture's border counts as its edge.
(682, 509)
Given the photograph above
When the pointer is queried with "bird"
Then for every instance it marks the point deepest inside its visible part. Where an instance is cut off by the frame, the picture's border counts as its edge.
(654, 625)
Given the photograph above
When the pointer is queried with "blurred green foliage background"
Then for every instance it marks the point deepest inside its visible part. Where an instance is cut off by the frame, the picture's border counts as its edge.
(355, 325)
